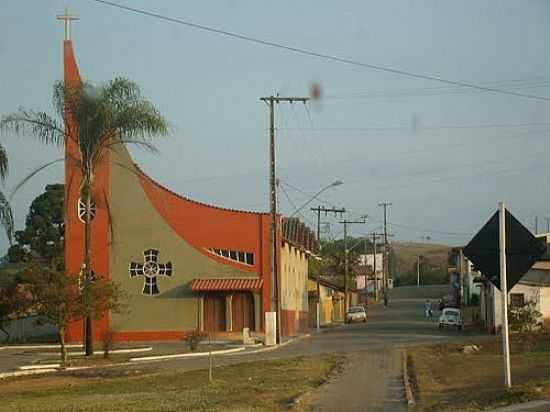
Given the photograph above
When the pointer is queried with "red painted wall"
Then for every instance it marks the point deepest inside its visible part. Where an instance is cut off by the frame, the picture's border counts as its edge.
(74, 228)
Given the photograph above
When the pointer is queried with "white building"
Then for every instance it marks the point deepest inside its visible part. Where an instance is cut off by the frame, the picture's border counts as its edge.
(368, 260)
(533, 287)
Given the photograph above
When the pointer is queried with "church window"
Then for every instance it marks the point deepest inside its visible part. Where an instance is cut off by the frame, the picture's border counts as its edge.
(235, 255)
(82, 210)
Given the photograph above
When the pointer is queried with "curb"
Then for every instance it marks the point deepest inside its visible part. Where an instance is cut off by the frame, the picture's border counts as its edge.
(5, 375)
(406, 382)
(38, 370)
(186, 355)
(37, 346)
(115, 351)
(280, 345)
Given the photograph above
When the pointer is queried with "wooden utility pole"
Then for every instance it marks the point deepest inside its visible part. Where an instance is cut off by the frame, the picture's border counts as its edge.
(318, 210)
(375, 236)
(461, 262)
(346, 288)
(271, 100)
(385, 262)
(418, 271)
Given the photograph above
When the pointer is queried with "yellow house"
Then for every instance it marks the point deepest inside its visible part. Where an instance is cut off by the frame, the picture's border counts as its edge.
(331, 301)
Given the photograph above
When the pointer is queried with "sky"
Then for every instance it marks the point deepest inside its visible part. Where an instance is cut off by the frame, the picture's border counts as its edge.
(443, 156)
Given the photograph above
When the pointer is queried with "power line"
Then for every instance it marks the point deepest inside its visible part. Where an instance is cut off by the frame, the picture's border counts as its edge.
(414, 228)
(517, 84)
(420, 128)
(325, 56)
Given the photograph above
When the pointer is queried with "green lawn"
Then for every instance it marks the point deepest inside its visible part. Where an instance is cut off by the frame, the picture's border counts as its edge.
(255, 386)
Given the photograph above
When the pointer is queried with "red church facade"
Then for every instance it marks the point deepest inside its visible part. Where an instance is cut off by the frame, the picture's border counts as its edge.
(185, 265)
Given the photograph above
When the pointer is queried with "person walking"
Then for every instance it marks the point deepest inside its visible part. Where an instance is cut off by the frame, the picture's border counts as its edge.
(428, 308)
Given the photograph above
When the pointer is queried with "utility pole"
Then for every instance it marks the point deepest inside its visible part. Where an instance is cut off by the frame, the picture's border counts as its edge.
(346, 293)
(547, 225)
(320, 209)
(375, 236)
(461, 257)
(385, 262)
(536, 225)
(271, 100)
(418, 271)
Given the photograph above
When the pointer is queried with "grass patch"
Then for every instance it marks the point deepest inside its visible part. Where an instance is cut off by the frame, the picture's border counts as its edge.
(253, 386)
(445, 379)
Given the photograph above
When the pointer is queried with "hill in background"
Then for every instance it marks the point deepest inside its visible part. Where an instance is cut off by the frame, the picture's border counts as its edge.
(433, 263)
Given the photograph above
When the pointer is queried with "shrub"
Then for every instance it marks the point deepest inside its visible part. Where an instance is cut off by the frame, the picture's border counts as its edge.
(194, 339)
(107, 343)
(524, 319)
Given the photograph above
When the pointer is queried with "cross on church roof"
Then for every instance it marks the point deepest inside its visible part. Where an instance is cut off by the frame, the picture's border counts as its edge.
(67, 18)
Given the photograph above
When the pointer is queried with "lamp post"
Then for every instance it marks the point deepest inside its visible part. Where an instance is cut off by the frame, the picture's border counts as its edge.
(320, 209)
(333, 184)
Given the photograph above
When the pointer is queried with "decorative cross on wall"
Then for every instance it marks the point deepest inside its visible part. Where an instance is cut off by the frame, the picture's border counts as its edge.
(150, 269)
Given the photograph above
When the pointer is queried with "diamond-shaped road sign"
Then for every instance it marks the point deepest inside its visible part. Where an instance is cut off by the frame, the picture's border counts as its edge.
(522, 250)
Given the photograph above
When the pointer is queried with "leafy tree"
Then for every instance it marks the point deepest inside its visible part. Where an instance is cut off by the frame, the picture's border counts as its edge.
(44, 228)
(13, 303)
(60, 298)
(99, 118)
(332, 262)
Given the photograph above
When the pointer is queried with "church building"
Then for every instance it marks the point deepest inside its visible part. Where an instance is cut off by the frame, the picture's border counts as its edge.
(185, 265)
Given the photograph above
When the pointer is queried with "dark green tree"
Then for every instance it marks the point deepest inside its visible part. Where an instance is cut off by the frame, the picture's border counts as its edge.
(332, 262)
(42, 237)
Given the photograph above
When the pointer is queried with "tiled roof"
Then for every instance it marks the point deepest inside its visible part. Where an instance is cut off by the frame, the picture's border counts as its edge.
(205, 285)
(536, 277)
(298, 234)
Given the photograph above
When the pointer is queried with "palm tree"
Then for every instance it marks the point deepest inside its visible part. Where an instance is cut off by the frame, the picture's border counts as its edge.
(99, 118)
(6, 216)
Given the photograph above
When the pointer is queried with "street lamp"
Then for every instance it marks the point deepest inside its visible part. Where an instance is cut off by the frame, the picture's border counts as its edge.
(333, 184)
(318, 210)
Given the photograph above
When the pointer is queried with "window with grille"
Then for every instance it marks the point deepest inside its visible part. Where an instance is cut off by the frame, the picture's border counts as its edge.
(517, 300)
(235, 255)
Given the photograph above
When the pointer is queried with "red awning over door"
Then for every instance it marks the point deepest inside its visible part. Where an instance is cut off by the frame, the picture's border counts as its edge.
(212, 285)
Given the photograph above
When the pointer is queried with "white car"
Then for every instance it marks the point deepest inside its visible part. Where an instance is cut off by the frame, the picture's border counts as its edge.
(450, 317)
(356, 314)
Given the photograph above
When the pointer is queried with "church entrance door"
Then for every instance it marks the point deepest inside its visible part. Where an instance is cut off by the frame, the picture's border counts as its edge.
(242, 311)
(214, 312)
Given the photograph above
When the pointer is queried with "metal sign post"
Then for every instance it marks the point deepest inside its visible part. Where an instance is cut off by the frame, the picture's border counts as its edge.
(504, 290)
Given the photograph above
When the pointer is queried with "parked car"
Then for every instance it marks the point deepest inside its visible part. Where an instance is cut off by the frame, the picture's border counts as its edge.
(356, 314)
(450, 317)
